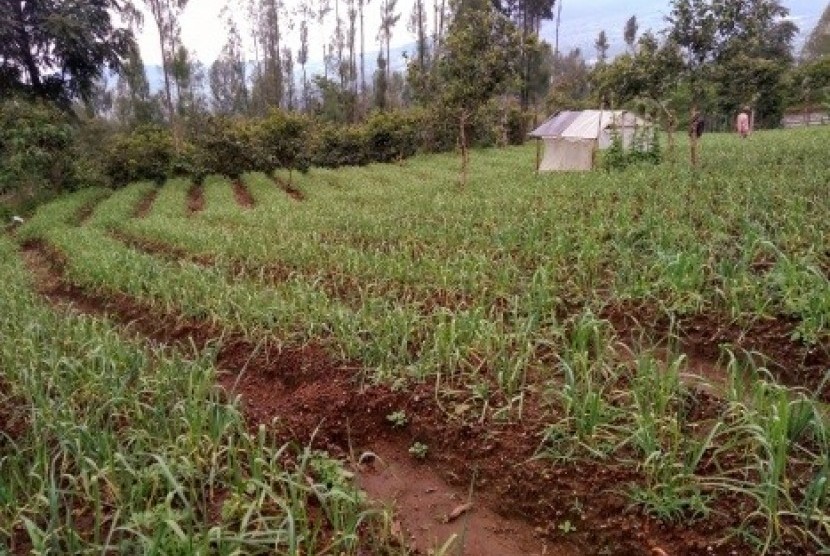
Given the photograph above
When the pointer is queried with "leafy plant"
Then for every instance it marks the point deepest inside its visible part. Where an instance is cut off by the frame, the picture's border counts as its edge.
(419, 450)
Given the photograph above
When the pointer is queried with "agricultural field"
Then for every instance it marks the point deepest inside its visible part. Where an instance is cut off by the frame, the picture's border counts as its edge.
(372, 361)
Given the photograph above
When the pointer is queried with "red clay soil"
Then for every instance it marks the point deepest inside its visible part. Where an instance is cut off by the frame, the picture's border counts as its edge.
(243, 197)
(146, 204)
(791, 362)
(13, 418)
(289, 188)
(195, 199)
(85, 213)
(520, 504)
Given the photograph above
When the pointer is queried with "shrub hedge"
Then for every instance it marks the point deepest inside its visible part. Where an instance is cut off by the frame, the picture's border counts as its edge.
(231, 146)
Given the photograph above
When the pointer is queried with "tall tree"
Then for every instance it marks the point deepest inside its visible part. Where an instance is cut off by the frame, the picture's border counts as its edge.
(480, 59)
(630, 32)
(58, 50)
(189, 76)
(388, 21)
(133, 104)
(818, 42)
(351, 43)
(270, 29)
(361, 4)
(302, 53)
(323, 10)
(417, 26)
(528, 15)
(381, 85)
(602, 46)
(166, 15)
(228, 75)
(288, 72)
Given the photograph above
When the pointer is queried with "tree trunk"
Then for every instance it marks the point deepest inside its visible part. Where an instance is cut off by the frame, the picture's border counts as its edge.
(165, 67)
(693, 142)
(388, 67)
(26, 50)
(465, 152)
(362, 56)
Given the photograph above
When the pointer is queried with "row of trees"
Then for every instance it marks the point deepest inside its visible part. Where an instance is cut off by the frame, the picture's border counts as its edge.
(273, 75)
(723, 53)
(715, 55)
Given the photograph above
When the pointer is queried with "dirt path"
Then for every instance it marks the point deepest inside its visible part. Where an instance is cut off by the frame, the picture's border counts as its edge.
(243, 197)
(195, 199)
(430, 513)
(145, 206)
(289, 188)
(305, 390)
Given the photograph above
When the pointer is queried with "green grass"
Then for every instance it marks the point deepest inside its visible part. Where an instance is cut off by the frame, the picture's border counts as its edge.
(498, 291)
(128, 449)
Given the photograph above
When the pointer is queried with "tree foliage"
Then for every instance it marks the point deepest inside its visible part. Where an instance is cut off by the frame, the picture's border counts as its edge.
(479, 61)
(57, 49)
(818, 43)
(743, 48)
(630, 32)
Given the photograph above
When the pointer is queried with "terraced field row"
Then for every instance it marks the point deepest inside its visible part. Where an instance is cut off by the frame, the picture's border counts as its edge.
(647, 351)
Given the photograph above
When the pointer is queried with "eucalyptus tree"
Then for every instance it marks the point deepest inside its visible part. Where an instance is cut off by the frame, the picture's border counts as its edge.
(818, 42)
(228, 75)
(166, 14)
(630, 32)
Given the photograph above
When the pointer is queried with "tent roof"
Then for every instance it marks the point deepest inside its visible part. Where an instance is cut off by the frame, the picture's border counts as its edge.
(585, 124)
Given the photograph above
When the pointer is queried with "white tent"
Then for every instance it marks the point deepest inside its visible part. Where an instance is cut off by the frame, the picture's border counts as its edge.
(571, 137)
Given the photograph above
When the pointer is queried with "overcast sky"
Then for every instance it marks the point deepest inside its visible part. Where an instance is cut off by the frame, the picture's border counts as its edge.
(203, 30)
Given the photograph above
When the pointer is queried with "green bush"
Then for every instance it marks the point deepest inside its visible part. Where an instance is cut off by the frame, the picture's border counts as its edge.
(226, 146)
(232, 146)
(392, 135)
(337, 145)
(282, 141)
(36, 148)
(147, 153)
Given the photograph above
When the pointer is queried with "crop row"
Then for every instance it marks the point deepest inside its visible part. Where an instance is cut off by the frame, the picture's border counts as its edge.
(109, 446)
(719, 245)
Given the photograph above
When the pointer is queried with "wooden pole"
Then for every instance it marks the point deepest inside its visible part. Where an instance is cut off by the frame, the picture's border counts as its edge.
(538, 142)
(538, 154)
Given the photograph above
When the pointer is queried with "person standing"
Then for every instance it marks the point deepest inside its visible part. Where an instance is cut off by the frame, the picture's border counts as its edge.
(742, 124)
(696, 125)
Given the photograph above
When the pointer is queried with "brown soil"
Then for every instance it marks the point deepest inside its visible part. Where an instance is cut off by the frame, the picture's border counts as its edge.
(146, 204)
(13, 420)
(289, 188)
(791, 362)
(243, 197)
(521, 504)
(195, 199)
(85, 213)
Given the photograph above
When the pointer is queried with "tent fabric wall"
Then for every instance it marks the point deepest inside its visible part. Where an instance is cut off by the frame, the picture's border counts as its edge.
(570, 136)
(567, 155)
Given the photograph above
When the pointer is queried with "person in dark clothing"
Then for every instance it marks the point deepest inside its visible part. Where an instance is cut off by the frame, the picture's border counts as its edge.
(697, 125)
